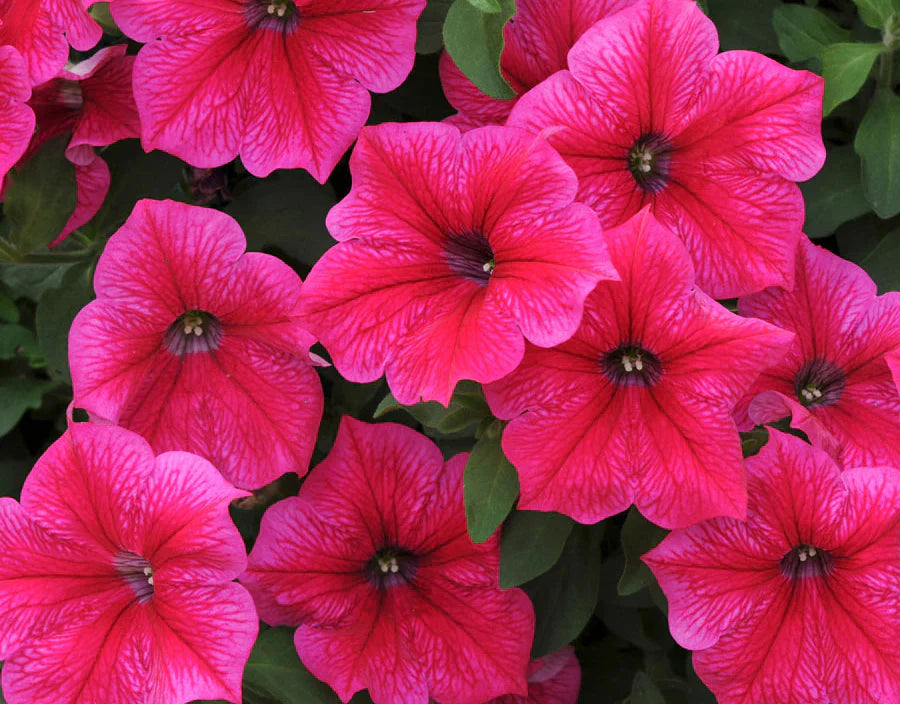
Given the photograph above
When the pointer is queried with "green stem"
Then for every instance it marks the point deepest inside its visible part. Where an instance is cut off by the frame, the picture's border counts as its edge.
(886, 69)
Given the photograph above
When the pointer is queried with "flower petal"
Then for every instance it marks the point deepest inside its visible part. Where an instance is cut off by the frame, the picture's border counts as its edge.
(16, 118)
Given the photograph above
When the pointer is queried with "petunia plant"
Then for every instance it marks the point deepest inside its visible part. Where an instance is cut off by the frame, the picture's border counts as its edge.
(449, 352)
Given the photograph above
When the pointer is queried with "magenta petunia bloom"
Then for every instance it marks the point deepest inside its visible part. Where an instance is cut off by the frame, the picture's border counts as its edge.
(552, 679)
(282, 83)
(452, 249)
(197, 346)
(16, 118)
(637, 406)
(536, 42)
(798, 604)
(648, 114)
(836, 381)
(42, 31)
(374, 563)
(116, 578)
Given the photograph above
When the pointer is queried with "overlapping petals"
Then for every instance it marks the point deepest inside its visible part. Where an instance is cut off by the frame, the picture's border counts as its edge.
(636, 407)
(552, 679)
(197, 346)
(115, 582)
(452, 249)
(373, 561)
(836, 382)
(16, 118)
(649, 114)
(799, 603)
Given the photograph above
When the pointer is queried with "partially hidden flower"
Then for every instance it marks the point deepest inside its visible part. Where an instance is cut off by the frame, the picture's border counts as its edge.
(637, 406)
(374, 563)
(116, 579)
(16, 118)
(836, 382)
(535, 43)
(197, 346)
(799, 603)
(648, 114)
(552, 679)
(452, 249)
(282, 83)
(42, 30)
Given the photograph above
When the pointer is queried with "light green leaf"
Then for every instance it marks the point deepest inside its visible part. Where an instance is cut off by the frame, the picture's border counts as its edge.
(875, 13)
(878, 145)
(474, 40)
(883, 262)
(803, 32)
(638, 537)
(531, 543)
(491, 486)
(835, 194)
(845, 67)
(486, 5)
(56, 310)
(430, 34)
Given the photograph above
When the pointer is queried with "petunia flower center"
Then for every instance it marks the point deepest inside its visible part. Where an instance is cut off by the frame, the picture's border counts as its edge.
(631, 365)
(390, 567)
(280, 15)
(69, 94)
(819, 383)
(193, 331)
(648, 162)
(806, 561)
(469, 254)
(137, 573)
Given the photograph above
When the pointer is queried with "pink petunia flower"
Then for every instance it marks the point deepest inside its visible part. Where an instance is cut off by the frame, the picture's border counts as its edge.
(798, 604)
(16, 118)
(836, 381)
(282, 83)
(552, 679)
(536, 42)
(373, 561)
(92, 101)
(43, 29)
(197, 346)
(636, 407)
(115, 583)
(452, 249)
(648, 114)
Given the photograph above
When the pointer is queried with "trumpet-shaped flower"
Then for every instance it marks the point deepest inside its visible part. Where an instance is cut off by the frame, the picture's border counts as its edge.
(16, 118)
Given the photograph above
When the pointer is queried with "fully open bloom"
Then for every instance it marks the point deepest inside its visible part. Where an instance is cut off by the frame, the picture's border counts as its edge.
(452, 248)
(536, 42)
(196, 345)
(651, 115)
(115, 583)
(374, 562)
(552, 679)
(43, 29)
(836, 381)
(282, 83)
(798, 604)
(637, 406)
(16, 118)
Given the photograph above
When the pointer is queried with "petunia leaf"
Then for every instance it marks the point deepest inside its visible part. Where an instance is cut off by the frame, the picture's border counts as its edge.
(803, 32)
(56, 310)
(882, 262)
(845, 67)
(15, 341)
(878, 145)
(638, 537)
(20, 394)
(834, 195)
(645, 691)
(9, 313)
(745, 25)
(491, 486)
(875, 13)
(467, 407)
(430, 35)
(532, 543)
(474, 39)
(486, 5)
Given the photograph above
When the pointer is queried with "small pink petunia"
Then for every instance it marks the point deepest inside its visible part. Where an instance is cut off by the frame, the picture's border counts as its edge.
(374, 563)
(800, 603)
(552, 679)
(452, 249)
(637, 406)
(648, 114)
(282, 83)
(16, 118)
(197, 346)
(116, 578)
(42, 31)
(536, 42)
(836, 381)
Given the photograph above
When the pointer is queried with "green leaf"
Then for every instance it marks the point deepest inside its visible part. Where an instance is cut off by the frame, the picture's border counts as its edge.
(845, 67)
(275, 670)
(31, 280)
(803, 32)
(531, 543)
(100, 12)
(878, 145)
(564, 598)
(19, 394)
(474, 40)
(15, 341)
(491, 486)
(56, 310)
(644, 691)
(9, 313)
(745, 25)
(834, 195)
(883, 262)
(486, 5)
(638, 537)
(40, 199)
(430, 35)
(875, 13)
(467, 407)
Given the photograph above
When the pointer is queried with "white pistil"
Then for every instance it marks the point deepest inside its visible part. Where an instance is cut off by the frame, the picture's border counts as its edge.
(193, 325)
(805, 552)
(626, 362)
(811, 551)
(488, 267)
(148, 573)
(632, 362)
(388, 565)
(277, 7)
